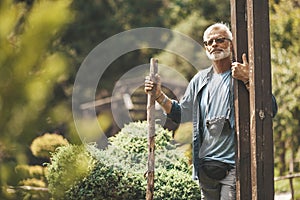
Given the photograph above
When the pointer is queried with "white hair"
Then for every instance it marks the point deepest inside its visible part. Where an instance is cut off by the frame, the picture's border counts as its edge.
(220, 26)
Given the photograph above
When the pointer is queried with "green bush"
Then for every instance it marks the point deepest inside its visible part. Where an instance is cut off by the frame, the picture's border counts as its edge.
(105, 182)
(118, 171)
(26, 172)
(34, 182)
(69, 165)
(34, 175)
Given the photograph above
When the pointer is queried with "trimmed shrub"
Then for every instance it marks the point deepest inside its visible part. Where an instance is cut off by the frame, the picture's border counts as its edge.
(118, 171)
(69, 165)
(105, 182)
(33, 182)
(42, 146)
(27, 171)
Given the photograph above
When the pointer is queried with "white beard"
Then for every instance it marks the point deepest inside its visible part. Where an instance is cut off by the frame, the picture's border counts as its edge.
(219, 55)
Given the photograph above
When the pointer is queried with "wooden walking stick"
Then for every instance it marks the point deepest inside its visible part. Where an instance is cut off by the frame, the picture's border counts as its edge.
(151, 131)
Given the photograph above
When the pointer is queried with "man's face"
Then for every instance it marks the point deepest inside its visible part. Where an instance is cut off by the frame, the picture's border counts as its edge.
(217, 45)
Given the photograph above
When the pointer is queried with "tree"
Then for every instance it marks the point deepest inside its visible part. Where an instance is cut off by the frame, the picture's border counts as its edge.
(285, 38)
(98, 20)
(32, 75)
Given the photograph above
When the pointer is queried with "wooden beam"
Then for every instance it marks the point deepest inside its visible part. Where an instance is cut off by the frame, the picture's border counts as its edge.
(241, 102)
(261, 134)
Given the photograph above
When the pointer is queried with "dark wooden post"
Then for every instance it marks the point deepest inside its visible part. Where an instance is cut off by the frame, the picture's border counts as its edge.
(151, 131)
(261, 133)
(254, 150)
(241, 103)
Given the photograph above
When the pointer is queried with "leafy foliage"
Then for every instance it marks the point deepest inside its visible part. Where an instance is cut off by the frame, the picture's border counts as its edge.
(69, 164)
(285, 20)
(118, 171)
(118, 16)
(35, 175)
(33, 182)
(285, 35)
(43, 145)
(104, 182)
(31, 73)
(26, 171)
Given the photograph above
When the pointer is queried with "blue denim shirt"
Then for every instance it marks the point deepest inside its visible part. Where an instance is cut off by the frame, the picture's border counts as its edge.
(188, 110)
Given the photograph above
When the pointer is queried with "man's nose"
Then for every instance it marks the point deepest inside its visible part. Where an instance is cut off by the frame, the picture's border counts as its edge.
(214, 43)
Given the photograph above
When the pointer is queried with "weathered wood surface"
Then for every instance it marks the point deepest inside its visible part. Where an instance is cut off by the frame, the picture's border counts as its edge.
(261, 132)
(151, 131)
(254, 149)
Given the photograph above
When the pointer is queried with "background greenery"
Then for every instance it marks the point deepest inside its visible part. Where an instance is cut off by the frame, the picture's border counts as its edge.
(118, 171)
(43, 42)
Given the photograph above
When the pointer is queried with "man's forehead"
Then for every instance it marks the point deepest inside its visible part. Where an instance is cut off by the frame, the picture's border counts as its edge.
(217, 33)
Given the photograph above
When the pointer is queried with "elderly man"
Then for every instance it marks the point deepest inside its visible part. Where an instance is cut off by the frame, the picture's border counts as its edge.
(208, 103)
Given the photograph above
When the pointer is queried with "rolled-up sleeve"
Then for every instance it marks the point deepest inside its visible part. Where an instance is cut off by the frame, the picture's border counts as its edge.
(175, 113)
(182, 111)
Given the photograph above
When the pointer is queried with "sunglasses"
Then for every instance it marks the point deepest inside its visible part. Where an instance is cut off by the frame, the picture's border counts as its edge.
(217, 40)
